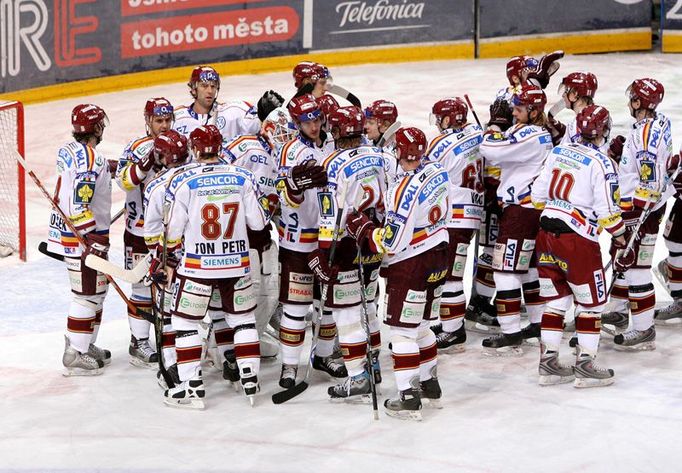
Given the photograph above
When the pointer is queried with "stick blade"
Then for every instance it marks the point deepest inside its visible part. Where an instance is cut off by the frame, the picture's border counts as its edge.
(288, 394)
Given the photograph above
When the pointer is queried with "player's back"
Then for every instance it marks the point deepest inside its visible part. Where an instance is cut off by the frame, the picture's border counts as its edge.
(254, 153)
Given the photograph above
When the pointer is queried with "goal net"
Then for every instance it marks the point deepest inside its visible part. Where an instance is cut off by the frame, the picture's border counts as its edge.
(12, 197)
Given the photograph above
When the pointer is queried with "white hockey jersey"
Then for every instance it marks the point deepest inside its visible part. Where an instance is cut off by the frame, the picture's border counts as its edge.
(359, 173)
(579, 186)
(83, 193)
(515, 158)
(642, 170)
(417, 208)
(131, 179)
(299, 220)
(211, 207)
(458, 152)
(232, 119)
(254, 153)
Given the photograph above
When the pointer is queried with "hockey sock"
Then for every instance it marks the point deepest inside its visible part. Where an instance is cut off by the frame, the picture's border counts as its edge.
(642, 301)
(674, 269)
(292, 332)
(352, 339)
(168, 343)
(588, 325)
(484, 282)
(80, 323)
(427, 352)
(405, 357)
(188, 352)
(509, 310)
(531, 296)
(139, 327)
(552, 328)
(98, 322)
(224, 336)
(247, 346)
(452, 306)
(327, 335)
(619, 295)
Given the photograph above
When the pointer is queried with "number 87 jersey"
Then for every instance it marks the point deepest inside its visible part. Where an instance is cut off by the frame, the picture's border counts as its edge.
(212, 206)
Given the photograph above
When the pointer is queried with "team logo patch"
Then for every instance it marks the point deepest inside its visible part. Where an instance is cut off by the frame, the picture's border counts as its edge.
(390, 232)
(647, 171)
(326, 204)
(83, 193)
(615, 192)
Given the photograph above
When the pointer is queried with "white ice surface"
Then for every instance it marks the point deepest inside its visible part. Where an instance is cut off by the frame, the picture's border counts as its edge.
(495, 418)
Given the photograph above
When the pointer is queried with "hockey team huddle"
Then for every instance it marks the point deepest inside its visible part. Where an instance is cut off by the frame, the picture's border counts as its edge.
(356, 197)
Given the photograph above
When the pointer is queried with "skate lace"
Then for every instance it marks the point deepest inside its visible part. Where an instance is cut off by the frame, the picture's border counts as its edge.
(288, 371)
(89, 359)
(96, 351)
(673, 308)
(331, 363)
(145, 347)
(633, 335)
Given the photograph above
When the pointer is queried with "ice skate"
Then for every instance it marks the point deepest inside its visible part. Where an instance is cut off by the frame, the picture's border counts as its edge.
(355, 389)
(636, 340)
(551, 371)
(430, 391)
(452, 342)
(613, 323)
(141, 353)
(588, 374)
(99, 354)
(186, 395)
(172, 372)
(531, 334)
(661, 273)
(436, 328)
(376, 366)
(504, 344)
(408, 405)
(250, 384)
(287, 378)
(481, 316)
(330, 366)
(671, 315)
(230, 369)
(79, 364)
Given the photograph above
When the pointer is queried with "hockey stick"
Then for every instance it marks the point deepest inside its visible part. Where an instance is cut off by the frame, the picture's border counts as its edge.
(368, 352)
(134, 275)
(342, 92)
(67, 221)
(288, 394)
(477, 235)
(388, 134)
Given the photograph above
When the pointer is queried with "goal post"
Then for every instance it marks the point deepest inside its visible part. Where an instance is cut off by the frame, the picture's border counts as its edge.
(12, 184)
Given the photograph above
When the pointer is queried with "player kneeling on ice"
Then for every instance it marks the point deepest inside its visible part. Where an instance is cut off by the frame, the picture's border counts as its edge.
(579, 193)
(83, 194)
(211, 208)
(414, 241)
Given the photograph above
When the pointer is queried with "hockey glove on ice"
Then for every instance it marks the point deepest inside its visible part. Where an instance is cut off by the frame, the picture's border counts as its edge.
(359, 226)
(317, 262)
(306, 176)
(267, 103)
(501, 114)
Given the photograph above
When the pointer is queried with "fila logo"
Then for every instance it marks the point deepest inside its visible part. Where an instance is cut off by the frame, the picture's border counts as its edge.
(22, 24)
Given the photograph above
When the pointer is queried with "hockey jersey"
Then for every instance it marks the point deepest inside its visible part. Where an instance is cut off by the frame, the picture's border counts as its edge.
(131, 179)
(643, 166)
(254, 153)
(232, 119)
(358, 174)
(83, 193)
(515, 158)
(299, 219)
(579, 186)
(458, 152)
(417, 208)
(211, 207)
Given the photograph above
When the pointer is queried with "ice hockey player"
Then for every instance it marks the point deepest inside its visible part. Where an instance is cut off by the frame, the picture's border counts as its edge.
(577, 92)
(83, 193)
(457, 150)
(311, 78)
(644, 190)
(578, 190)
(516, 158)
(414, 240)
(670, 269)
(231, 119)
(171, 151)
(211, 208)
(136, 168)
(380, 115)
(301, 174)
(356, 172)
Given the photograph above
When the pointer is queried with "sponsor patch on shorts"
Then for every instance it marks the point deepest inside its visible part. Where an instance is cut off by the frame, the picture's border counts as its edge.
(547, 288)
(300, 292)
(200, 289)
(600, 285)
(415, 296)
(412, 313)
(346, 294)
(301, 278)
(582, 293)
(244, 300)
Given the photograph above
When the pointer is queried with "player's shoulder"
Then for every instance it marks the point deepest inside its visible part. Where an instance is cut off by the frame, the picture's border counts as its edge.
(243, 144)
(138, 147)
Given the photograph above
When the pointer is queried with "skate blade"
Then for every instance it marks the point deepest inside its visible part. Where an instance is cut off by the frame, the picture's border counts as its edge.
(357, 399)
(532, 342)
(504, 352)
(453, 350)
(142, 364)
(252, 400)
(480, 328)
(69, 372)
(431, 403)
(405, 415)
(646, 346)
(553, 379)
(668, 322)
(194, 404)
(592, 382)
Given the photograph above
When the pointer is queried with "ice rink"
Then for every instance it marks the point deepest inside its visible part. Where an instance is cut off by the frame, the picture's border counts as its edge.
(495, 417)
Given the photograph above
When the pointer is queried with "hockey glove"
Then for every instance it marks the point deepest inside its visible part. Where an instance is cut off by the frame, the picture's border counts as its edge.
(306, 176)
(96, 244)
(359, 226)
(146, 163)
(158, 274)
(624, 260)
(556, 129)
(267, 103)
(317, 262)
(673, 164)
(113, 165)
(678, 185)
(260, 240)
(616, 148)
(547, 66)
(501, 114)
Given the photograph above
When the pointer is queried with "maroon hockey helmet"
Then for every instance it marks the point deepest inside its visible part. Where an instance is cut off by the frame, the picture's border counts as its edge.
(172, 147)
(518, 64)
(456, 109)
(584, 83)
(410, 143)
(327, 104)
(346, 122)
(304, 108)
(309, 70)
(649, 92)
(530, 96)
(158, 107)
(203, 74)
(207, 138)
(86, 117)
(593, 121)
(382, 110)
